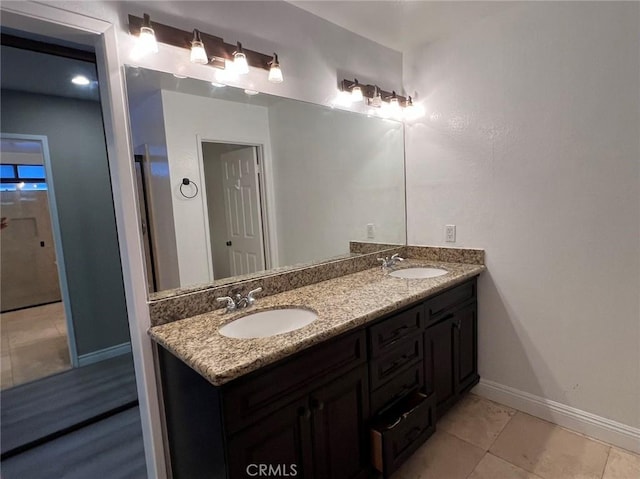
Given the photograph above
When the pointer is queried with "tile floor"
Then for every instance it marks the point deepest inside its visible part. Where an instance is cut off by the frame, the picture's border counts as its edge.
(34, 344)
(481, 439)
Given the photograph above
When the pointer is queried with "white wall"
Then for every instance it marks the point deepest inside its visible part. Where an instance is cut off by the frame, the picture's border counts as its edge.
(334, 173)
(530, 146)
(147, 131)
(188, 121)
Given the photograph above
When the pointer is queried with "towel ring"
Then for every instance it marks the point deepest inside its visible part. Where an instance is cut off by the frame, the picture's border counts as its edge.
(187, 182)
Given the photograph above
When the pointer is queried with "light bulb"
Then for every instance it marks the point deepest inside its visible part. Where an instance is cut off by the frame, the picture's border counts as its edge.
(376, 101)
(343, 98)
(356, 94)
(412, 111)
(147, 41)
(393, 101)
(240, 61)
(228, 74)
(80, 80)
(198, 53)
(275, 73)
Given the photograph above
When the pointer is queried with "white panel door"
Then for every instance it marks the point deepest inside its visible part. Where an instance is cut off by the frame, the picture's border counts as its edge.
(242, 211)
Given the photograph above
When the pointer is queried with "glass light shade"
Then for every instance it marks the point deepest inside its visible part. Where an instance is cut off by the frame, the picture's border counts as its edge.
(376, 101)
(275, 74)
(240, 63)
(343, 98)
(147, 41)
(356, 94)
(198, 53)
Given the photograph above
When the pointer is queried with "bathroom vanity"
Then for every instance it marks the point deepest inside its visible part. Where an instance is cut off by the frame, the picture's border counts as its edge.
(355, 392)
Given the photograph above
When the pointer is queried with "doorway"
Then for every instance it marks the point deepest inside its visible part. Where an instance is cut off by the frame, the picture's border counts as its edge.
(235, 208)
(59, 248)
(36, 326)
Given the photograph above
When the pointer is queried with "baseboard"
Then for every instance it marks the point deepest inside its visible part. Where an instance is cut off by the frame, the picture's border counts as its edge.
(102, 354)
(598, 427)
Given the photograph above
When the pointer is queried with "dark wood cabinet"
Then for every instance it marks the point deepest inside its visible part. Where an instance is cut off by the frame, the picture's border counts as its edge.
(439, 364)
(451, 355)
(465, 323)
(283, 439)
(365, 399)
(320, 436)
(340, 413)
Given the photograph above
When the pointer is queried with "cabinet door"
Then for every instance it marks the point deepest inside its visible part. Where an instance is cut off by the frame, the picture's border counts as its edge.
(466, 343)
(439, 359)
(340, 412)
(282, 441)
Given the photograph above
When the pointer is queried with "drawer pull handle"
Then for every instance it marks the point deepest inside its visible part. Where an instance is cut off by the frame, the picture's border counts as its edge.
(398, 362)
(399, 331)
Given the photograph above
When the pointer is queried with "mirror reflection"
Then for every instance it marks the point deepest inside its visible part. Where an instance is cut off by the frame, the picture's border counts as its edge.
(232, 183)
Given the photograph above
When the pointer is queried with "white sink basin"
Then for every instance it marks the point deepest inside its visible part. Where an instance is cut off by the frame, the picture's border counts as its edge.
(262, 324)
(418, 273)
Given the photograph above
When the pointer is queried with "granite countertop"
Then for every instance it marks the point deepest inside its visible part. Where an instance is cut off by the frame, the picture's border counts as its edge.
(342, 304)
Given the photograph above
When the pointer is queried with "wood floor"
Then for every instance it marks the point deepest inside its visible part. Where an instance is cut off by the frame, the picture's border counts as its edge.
(45, 409)
(111, 448)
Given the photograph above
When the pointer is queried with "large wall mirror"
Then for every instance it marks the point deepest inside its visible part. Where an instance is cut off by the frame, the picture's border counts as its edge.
(233, 183)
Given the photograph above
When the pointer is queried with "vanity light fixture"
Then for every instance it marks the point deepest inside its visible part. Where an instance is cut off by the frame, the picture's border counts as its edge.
(240, 61)
(204, 48)
(147, 38)
(379, 102)
(275, 73)
(198, 52)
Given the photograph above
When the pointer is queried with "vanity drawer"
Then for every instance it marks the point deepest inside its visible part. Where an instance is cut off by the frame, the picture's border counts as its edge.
(250, 398)
(388, 332)
(402, 384)
(396, 436)
(387, 366)
(452, 298)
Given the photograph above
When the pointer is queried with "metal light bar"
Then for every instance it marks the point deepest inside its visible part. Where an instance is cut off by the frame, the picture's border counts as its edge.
(216, 48)
(368, 91)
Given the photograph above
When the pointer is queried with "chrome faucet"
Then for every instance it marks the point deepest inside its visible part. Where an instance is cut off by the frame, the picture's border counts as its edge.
(237, 301)
(388, 263)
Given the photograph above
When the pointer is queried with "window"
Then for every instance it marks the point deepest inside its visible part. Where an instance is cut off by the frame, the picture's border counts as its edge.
(15, 177)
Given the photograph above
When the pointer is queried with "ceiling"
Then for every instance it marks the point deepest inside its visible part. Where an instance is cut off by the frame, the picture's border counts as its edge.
(402, 24)
(35, 72)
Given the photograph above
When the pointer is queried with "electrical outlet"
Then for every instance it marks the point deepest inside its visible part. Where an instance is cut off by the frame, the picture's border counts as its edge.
(450, 233)
(371, 231)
